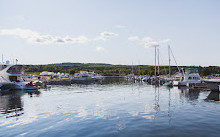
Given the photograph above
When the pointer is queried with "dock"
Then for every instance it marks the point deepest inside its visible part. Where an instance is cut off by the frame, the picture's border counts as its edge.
(197, 85)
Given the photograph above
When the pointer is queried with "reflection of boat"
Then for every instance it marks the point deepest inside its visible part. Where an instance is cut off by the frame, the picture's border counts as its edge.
(191, 94)
(213, 84)
(213, 95)
(11, 105)
(191, 75)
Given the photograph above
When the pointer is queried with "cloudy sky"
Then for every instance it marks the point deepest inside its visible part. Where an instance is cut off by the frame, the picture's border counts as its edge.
(110, 31)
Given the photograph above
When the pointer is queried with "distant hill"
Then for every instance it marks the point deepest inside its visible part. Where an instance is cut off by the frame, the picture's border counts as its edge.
(70, 63)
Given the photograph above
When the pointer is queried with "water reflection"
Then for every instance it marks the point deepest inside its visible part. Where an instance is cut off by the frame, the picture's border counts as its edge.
(191, 94)
(157, 99)
(110, 108)
(113, 80)
(213, 96)
(11, 103)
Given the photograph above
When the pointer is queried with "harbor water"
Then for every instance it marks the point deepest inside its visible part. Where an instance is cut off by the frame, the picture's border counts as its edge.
(110, 109)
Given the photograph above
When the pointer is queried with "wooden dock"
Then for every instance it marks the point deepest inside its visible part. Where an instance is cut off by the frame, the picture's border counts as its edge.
(197, 85)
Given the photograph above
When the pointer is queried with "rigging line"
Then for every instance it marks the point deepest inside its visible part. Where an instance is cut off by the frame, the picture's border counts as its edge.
(175, 60)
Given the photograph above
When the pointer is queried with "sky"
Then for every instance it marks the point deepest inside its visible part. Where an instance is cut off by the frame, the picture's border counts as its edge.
(110, 31)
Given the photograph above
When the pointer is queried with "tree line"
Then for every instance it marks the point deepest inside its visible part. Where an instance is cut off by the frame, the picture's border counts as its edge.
(114, 70)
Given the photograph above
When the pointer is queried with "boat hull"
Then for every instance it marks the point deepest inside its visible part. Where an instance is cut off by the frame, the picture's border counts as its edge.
(213, 85)
(184, 83)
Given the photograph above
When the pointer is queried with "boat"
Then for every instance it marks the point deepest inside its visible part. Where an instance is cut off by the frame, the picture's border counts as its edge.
(86, 77)
(11, 77)
(191, 75)
(213, 84)
(168, 83)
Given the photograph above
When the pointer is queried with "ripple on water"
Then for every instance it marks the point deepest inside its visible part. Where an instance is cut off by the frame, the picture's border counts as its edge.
(124, 109)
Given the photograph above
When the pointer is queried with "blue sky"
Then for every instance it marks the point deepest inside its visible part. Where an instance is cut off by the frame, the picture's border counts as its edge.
(110, 31)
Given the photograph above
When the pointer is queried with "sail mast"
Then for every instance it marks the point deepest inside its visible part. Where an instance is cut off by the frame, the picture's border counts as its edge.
(132, 68)
(155, 73)
(169, 60)
(139, 68)
(2, 59)
(158, 61)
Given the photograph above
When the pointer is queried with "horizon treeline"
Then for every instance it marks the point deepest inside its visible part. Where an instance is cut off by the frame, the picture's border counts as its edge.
(114, 70)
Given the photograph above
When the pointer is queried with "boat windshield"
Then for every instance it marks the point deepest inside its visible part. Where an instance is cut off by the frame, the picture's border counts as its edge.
(16, 69)
(191, 70)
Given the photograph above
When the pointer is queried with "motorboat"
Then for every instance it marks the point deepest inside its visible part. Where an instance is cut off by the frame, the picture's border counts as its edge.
(191, 75)
(86, 77)
(11, 77)
(213, 84)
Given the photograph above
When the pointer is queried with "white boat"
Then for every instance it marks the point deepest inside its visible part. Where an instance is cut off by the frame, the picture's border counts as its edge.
(86, 77)
(191, 75)
(12, 75)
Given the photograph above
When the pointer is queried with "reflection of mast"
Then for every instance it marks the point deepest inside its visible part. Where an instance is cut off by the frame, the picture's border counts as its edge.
(169, 114)
(157, 97)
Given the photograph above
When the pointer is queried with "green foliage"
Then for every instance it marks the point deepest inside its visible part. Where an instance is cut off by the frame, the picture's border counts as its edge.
(114, 70)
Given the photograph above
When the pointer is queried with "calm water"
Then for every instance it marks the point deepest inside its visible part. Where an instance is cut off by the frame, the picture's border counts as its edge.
(114, 109)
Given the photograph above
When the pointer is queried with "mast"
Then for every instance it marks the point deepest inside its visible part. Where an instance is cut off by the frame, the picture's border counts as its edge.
(158, 61)
(155, 73)
(139, 68)
(132, 68)
(169, 60)
(2, 59)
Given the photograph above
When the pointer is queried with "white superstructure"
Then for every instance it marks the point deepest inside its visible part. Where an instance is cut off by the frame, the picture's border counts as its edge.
(12, 74)
(191, 75)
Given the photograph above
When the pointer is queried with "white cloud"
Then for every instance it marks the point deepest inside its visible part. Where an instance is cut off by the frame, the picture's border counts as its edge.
(108, 34)
(99, 49)
(120, 26)
(105, 35)
(34, 37)
(148, 41)
(133, 38)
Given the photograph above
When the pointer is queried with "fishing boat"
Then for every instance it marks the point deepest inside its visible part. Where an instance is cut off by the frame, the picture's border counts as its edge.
(191, 75)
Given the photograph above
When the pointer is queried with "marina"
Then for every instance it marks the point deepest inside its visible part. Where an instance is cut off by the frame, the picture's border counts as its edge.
(109, 68)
